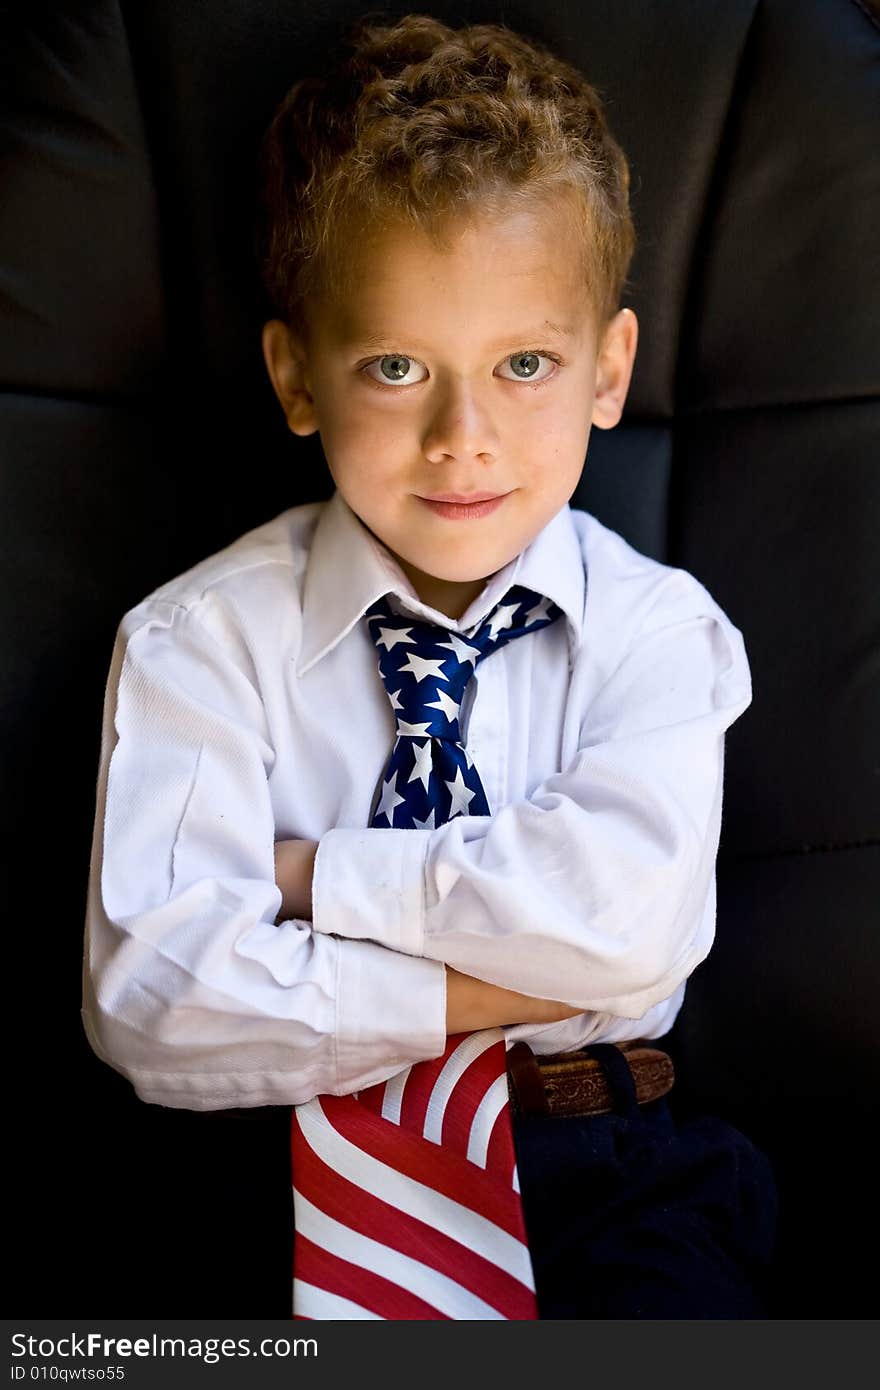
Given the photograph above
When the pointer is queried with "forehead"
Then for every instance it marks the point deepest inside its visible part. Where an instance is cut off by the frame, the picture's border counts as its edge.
(489, 275)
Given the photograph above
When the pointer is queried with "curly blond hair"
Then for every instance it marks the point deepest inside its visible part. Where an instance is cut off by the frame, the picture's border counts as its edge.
(425, 124)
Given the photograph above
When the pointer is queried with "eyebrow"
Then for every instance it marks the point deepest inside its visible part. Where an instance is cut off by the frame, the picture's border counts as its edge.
(376, 340)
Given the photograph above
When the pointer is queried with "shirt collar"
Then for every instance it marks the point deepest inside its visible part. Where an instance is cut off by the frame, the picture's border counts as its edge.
(348, 569)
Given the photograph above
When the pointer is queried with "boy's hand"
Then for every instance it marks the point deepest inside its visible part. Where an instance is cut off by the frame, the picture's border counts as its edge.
(294, 866)
(473, 1004)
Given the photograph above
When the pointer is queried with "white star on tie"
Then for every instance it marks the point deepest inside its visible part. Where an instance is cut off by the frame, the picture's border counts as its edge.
(412, 730)
(502, 618)
(392, 695)
(422, 765)
(427, 824)
(463, 651)
(444, 702)
(421, 666)
(461, 795)
(539, 611)
(390, 799)
(390, 636)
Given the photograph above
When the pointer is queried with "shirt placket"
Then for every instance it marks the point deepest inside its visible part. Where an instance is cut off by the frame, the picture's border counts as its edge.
(486, 727)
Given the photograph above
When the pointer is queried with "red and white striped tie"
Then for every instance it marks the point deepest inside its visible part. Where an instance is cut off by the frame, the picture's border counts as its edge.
(406, 1197)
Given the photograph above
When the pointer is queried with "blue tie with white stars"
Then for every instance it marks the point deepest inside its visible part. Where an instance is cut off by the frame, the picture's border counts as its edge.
(430, 778)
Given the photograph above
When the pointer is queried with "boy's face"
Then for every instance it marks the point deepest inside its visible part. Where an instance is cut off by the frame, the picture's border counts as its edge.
(471, 372)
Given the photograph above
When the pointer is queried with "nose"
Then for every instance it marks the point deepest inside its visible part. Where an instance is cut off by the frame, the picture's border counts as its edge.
(460, 427)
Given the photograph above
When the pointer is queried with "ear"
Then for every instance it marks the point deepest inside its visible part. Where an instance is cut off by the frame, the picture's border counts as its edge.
(286, 361)
(614, 365)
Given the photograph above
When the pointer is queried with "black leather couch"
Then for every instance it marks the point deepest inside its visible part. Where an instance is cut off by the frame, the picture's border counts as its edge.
(140, 434)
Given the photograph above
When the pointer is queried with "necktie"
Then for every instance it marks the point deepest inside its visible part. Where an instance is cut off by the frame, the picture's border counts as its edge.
(406, 1198)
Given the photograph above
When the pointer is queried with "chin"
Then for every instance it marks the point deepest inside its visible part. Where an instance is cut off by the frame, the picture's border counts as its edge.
(454, 574)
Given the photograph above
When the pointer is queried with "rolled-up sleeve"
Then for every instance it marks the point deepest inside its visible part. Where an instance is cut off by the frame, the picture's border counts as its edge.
(599, 888)
(190, 988)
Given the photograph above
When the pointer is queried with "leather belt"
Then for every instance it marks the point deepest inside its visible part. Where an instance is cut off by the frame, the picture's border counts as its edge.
(574, 1083)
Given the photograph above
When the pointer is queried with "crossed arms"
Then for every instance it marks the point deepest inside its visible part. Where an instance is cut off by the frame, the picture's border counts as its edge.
(470, 1003)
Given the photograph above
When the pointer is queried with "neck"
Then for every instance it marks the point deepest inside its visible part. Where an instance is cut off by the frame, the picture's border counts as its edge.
(449, 596)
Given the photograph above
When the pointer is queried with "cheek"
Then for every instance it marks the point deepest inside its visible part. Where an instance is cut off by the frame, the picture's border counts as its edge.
(357, 441)
(555, 438)
(562, 412)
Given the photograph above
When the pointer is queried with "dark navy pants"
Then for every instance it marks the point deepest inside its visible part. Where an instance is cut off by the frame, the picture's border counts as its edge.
(632, 1215)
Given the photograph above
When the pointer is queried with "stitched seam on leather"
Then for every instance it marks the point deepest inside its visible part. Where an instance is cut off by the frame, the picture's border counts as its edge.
(867, 9)
(705, 222)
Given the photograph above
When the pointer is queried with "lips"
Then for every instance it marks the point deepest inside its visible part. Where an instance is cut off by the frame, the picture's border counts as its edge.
(465, 499)
(456, 506)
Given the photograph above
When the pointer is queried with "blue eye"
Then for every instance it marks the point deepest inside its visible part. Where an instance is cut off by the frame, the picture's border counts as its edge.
(394, 369)
(526, 366)
(525, 363)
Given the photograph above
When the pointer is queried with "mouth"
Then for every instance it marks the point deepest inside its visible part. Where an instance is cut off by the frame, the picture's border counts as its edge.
(464, 506)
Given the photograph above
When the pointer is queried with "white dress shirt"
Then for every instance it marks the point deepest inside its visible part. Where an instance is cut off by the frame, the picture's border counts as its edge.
(244, 706)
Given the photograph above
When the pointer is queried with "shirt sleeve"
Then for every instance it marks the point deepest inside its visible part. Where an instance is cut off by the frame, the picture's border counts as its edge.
(190, 989)
(599, 889)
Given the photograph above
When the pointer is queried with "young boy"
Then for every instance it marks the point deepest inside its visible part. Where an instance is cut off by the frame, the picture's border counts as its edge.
(273, 916)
